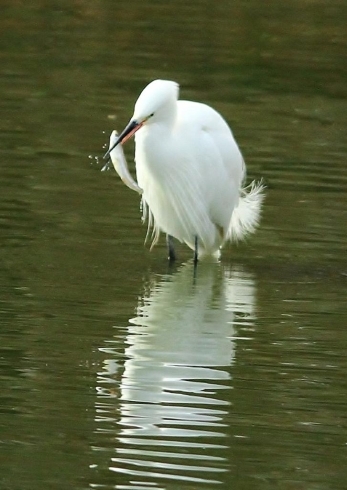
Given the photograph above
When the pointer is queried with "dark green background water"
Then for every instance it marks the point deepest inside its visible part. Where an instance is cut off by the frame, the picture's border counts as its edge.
(115, 372)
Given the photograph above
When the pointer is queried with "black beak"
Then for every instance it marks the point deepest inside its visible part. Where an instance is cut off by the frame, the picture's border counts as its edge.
(130, 129)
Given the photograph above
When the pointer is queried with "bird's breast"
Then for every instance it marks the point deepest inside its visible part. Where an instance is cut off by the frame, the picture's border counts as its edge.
(154, 154)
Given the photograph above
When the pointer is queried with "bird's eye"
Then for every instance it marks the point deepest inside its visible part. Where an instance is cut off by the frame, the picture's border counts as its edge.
(151, 115)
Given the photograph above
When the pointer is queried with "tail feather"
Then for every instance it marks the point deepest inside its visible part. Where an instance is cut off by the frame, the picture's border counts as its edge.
(246, 215)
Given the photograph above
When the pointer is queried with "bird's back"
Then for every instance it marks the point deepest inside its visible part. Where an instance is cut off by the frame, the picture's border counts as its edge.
(206, 120)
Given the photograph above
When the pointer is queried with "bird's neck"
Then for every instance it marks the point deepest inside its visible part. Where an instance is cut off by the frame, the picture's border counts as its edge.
(166, 116)
(153, 134)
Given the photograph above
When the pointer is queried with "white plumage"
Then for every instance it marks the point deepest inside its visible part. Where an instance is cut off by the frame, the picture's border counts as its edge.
(190, 170)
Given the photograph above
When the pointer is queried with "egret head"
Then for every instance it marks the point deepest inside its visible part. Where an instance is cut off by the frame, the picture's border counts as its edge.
(157, 102)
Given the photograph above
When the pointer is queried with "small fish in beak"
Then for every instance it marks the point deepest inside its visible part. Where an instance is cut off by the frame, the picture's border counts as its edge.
(120, 164)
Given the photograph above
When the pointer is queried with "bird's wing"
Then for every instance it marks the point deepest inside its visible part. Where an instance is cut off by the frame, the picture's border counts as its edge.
(215, 159)
(204, 118)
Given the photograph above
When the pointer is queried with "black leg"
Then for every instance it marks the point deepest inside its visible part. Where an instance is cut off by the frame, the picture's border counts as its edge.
(171, 248)
(195, 251)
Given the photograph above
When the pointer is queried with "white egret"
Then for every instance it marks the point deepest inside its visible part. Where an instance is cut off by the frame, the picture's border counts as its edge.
(190, 171)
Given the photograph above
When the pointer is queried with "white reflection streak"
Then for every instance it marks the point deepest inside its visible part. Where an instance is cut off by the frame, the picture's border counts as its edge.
(180, 346)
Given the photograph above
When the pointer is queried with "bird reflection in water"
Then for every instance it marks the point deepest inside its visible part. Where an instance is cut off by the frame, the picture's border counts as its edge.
(174, 394)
